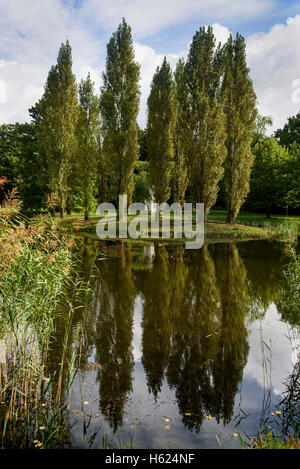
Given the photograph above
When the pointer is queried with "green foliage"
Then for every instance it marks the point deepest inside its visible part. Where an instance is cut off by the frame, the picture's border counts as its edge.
(290, 132)
(88, 138)
(240, 108)
(30, 173)
(9, 150)
(204, 128)
(160, 128)
(206, 111)
(143, 154)
(20, 163)
(290, 180)
(141, 187)
(180, 177)
(56, 117)
(275, 178)
(119, 105)
(266, 177)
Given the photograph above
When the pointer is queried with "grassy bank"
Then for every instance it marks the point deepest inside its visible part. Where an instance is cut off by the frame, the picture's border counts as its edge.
(249, 227)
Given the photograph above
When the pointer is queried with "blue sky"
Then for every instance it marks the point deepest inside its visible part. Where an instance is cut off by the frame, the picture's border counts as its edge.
(32, 30)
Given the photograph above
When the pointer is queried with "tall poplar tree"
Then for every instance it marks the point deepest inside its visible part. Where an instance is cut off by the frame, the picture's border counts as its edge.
(205, 122)
(119, 106)
(180, 179)
(160, 130)
(240, 108)
(88, 138)
(56, 118)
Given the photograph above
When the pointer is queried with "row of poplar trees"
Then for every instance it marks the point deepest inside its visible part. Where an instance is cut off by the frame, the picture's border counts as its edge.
(199, 130)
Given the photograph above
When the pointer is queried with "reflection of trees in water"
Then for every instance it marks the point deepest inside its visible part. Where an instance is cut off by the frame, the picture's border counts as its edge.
(232, 346)
(195, 306)
(195, 327)
(264, 262)
(156, 320)
(113, 335)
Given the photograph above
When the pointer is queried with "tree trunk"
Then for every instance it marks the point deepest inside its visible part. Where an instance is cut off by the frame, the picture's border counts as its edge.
(69, 204)
(61, 211)
(86, 214)
(230, 218)
(268, 211)
(286, 211)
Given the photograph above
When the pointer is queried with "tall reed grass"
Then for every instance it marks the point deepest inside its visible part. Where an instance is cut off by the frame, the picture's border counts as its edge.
(37, 287)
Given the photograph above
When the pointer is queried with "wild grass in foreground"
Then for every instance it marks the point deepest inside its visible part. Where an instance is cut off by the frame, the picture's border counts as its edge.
(268, 440)
(36, 268)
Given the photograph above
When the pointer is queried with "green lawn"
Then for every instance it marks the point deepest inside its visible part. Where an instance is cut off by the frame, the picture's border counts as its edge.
(252, 217)
(249, 226)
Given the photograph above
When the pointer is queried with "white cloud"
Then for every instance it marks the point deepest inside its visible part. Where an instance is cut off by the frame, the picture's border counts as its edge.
(221, 33)
(274, 61)
(149, 61)
(31, 34)
(147, 17)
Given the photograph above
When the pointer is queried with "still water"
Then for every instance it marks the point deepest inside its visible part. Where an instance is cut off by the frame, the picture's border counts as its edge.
(181, 349)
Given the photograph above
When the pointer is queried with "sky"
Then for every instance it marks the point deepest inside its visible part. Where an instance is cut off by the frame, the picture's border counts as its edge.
(31, 32)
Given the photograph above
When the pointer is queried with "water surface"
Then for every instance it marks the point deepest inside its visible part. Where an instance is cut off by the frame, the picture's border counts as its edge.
(181, 349)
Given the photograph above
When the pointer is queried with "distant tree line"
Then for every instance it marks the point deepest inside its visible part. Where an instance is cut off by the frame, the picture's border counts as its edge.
(204, 141)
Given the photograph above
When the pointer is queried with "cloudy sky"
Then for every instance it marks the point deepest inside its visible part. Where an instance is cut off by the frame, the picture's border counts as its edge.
(31, 32)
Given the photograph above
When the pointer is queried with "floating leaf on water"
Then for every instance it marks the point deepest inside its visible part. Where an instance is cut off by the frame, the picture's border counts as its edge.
(42, 428)
(188, 414)
(167, 427)
(85, 403)
(235, 435)
(78, 412)
(208, 417)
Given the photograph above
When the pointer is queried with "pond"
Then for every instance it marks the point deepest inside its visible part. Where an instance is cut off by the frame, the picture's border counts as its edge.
(181, 349)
